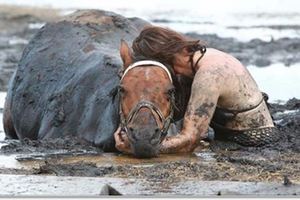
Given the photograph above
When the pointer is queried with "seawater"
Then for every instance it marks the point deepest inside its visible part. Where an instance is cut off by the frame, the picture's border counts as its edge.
(280, 82)
(253, 17)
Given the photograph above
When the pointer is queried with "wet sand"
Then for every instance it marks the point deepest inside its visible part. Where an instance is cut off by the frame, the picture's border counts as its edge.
(92, 187)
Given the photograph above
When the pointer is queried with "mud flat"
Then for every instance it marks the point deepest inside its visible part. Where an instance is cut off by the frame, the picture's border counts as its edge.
(24, 186)
(37, 174)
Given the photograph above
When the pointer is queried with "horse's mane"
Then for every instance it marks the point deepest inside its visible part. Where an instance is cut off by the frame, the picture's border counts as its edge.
(182, 86)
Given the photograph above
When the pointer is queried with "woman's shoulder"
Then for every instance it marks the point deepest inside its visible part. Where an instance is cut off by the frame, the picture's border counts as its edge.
(218, 54)
(220, 60)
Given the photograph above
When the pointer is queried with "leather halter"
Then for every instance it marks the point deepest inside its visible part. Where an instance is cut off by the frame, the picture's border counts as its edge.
(147, 104)
(147, 62)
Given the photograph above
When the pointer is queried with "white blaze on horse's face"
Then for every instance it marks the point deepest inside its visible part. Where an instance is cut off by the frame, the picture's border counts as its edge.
(146, 105)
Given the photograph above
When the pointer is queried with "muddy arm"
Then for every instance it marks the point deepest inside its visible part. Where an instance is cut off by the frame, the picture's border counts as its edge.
(202, 104)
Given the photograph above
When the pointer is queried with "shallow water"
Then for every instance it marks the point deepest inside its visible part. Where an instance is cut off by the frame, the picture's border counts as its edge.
(34, 160)
(24, 185)
(46, 186)
(188, 15)
(278, 81)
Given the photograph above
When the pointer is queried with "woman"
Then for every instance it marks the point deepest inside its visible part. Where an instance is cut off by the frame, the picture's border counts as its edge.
(223, 94)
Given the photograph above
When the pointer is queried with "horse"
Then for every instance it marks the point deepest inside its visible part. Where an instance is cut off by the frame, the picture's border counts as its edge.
(65, 85)
(147, 102)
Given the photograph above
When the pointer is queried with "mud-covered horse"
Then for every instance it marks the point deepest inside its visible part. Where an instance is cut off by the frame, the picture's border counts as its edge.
(151, 97)
(66, 80)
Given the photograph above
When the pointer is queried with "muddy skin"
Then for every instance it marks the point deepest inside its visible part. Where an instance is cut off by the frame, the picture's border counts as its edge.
(202, 110)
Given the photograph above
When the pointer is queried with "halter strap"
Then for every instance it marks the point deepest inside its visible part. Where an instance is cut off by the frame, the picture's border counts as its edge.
(202, 51)
(148, 62)
(165, 120)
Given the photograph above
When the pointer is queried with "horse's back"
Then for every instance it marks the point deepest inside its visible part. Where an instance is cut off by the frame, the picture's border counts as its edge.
(66, 79)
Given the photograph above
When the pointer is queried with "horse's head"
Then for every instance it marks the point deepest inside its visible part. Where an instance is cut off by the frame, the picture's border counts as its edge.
(146, 103)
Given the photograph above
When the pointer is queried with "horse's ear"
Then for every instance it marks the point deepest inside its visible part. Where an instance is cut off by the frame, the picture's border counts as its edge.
(126, 54)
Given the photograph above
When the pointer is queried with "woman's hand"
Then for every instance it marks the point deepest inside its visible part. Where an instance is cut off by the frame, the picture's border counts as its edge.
(181, 143)
(122, 142)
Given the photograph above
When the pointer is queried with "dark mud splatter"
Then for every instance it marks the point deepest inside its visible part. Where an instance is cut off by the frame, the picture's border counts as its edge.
(203, 110)
(77, 169)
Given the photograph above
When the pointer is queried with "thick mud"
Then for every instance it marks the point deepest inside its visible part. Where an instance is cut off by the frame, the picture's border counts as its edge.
(216, 160)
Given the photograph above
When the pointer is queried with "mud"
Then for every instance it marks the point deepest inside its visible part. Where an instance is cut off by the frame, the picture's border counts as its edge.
(68, 144)
(214, 161)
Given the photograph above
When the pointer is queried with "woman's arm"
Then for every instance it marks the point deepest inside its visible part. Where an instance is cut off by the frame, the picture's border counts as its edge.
(203, 100)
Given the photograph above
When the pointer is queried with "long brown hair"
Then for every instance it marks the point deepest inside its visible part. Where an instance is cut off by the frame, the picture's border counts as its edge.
(161, 44)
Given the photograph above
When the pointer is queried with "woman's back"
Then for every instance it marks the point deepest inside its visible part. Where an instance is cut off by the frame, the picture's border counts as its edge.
(240, 105)
(238, 89)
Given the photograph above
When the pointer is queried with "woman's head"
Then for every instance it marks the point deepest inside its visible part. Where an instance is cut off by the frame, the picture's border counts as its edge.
(163, 44)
